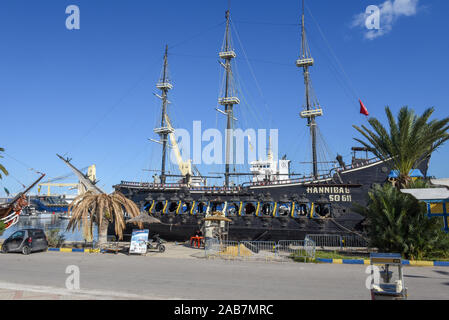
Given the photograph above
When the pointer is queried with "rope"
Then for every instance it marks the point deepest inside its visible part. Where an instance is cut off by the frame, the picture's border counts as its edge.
(22, 163)
(252, 71)
(17, 180)
(333, 53)
(196, 35)
(215, 57)
(268, 23)
(351, 231)
(112, 108)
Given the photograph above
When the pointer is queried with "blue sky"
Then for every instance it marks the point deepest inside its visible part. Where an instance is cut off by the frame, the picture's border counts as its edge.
(88, 93)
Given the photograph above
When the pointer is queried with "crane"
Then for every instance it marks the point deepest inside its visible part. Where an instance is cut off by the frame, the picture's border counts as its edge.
(91, 174)
(185, 167)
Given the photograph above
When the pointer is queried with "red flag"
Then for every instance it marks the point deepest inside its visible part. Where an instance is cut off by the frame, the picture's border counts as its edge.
(363, 110)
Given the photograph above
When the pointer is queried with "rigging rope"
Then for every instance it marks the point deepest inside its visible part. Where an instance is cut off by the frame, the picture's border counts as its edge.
(21, 163)
(196, 35)
(268, 23)
(349, 230)
(112, 108)
(356, 95)
(252, 72)
(249, 59)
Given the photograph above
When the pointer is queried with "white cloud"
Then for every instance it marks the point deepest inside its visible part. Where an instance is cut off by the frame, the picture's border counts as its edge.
(390, 12)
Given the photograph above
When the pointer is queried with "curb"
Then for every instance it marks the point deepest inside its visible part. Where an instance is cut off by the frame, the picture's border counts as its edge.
(404, 262)
(73, 250)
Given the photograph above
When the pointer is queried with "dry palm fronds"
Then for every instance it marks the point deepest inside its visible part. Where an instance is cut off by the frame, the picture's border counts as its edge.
(2, 168)
(101, 209)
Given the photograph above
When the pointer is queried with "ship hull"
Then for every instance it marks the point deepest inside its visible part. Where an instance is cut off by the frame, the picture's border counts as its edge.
(341, 191)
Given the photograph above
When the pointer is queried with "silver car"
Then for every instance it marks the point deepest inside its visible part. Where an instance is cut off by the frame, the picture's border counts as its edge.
(26, 241)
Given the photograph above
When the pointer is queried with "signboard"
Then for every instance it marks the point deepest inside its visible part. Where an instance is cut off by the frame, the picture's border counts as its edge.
(139, 240)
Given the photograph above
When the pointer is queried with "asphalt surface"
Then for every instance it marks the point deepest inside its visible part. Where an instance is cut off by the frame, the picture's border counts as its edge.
(108, 276)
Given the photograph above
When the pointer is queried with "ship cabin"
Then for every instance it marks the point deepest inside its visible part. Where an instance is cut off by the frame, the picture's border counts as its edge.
(270, 170)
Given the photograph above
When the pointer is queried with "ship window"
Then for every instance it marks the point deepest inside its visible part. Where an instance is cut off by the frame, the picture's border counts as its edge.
(147, 206)
(267, 209)
(186, 207)
(323, 210)
(173, 206)
(201, 207)
(217, 206)
(284, 209)
(233, 209)
(159, 207)
(250, 209)
(302, 210)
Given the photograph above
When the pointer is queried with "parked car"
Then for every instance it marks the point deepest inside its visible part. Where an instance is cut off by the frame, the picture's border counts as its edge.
(26, 241)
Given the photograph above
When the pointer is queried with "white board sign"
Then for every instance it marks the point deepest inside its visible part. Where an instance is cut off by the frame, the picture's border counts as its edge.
(139, 240)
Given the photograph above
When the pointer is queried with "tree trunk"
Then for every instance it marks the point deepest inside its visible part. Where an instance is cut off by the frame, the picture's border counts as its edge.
(103, 232)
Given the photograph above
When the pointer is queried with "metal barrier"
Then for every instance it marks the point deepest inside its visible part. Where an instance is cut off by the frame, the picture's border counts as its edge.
(338, 242)
(302, 249)
(260, 250)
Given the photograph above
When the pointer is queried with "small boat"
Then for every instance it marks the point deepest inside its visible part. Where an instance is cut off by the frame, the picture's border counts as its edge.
(65, 216)
(10, 212)
(43, 215)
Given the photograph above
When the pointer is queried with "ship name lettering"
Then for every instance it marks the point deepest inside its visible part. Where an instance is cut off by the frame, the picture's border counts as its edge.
(324, 190)
(340, 198)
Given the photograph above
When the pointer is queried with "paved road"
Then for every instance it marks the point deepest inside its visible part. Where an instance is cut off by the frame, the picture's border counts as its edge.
(154, 277)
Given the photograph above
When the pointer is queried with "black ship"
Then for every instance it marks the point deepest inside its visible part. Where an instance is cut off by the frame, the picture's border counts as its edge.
(274, 204)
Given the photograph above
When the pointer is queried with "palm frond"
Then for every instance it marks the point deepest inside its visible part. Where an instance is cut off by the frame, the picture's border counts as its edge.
(101, 209)
(2, 168)
(410, 140)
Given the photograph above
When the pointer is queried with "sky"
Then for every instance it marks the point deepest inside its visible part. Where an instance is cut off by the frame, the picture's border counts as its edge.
(88, 94)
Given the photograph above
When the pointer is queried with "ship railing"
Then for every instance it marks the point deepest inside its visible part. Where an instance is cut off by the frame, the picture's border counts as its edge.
(348, 242)
(217, 189)
(289, 181)
(358, 165)
(180, 185)
(268, 251)
(152, 185)
(311, 178)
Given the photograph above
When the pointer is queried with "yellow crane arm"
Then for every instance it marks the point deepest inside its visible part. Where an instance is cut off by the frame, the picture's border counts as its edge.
(185, 167)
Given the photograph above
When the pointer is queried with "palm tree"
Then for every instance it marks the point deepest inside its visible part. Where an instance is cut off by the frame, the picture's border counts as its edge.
(410, 140)
(2, 168)
(101, 209)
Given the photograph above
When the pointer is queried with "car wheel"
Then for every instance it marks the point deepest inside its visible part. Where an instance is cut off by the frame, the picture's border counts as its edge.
(161, 248)
(26, 250)
(4, 249)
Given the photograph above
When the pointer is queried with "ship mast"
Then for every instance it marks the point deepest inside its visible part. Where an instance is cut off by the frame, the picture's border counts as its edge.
(228, 101)
(311, 111)
(164, 85)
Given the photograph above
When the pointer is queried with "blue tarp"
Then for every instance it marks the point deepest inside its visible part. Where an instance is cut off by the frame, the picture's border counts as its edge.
(415, 173)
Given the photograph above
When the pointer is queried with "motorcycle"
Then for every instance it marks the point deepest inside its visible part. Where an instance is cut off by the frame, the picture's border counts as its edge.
(156, 243)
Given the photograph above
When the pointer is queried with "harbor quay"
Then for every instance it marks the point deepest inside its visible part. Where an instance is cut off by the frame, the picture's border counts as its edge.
(184, 273)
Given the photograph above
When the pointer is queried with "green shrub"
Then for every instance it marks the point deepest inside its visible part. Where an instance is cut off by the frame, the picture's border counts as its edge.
(397, 222)
(2, 227)
(55, 239)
